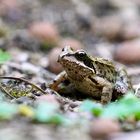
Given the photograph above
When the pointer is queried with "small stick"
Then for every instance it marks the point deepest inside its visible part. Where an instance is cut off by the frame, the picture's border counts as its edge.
(26, 81)
(7, 92)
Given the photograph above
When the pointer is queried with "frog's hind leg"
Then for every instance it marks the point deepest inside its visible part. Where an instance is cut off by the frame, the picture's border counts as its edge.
(123, 82)
(59, 79)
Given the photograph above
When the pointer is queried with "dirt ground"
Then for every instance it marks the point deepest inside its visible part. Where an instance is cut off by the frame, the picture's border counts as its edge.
(34, 32)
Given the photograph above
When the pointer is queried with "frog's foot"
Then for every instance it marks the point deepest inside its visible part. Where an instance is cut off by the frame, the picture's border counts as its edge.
(53, 86)
(59, 79)
(121, 87)
(123, 82)
(106, 94)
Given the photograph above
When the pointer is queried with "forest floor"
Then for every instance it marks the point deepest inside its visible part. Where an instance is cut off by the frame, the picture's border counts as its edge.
(32, 35)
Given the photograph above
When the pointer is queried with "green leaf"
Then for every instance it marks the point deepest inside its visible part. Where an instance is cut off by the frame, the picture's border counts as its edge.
(7, 110)
(46, 112)
(4, 56)
(129, 99)
(114, 111)
(128, 106)
(90, 106)
(56, 119)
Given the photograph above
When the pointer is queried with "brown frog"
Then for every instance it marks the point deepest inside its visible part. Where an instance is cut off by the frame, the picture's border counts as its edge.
(93, 76)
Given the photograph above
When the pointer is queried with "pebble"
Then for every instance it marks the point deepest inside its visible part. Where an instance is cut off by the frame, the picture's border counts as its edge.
(48, 98)
(131, 31)
(109, 27)
(19, 56)
(54, 66)
(103, 128)
(45, 32)
(30, 68)
(128, 52)
(73, 43)
(7, 5)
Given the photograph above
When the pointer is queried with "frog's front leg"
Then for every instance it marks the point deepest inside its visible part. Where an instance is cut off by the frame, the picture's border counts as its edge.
(59, 79)
(107, 89)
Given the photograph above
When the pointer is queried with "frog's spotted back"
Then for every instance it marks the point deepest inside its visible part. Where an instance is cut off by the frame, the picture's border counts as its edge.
(104, 68)
(103, 61)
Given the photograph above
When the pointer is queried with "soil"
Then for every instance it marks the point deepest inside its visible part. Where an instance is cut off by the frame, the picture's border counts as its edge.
(99, 27)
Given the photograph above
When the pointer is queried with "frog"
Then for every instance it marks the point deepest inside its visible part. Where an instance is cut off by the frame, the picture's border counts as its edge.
(93, 76)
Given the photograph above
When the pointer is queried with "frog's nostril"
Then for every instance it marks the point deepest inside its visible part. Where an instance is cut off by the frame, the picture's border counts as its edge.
(63, 49)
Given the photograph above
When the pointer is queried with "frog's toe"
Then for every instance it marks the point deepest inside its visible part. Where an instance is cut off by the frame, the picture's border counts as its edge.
(121, 88)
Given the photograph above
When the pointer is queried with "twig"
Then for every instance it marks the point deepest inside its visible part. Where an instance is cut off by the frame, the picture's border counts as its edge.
(6, 92)
(26, 81)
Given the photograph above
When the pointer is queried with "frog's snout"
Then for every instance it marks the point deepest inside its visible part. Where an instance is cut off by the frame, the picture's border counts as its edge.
(66, 52)
(62, 55)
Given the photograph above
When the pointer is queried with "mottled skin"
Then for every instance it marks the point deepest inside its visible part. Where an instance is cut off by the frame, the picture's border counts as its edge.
(94, 76)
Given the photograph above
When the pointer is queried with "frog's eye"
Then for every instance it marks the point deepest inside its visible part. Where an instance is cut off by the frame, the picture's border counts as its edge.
(80, 54)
